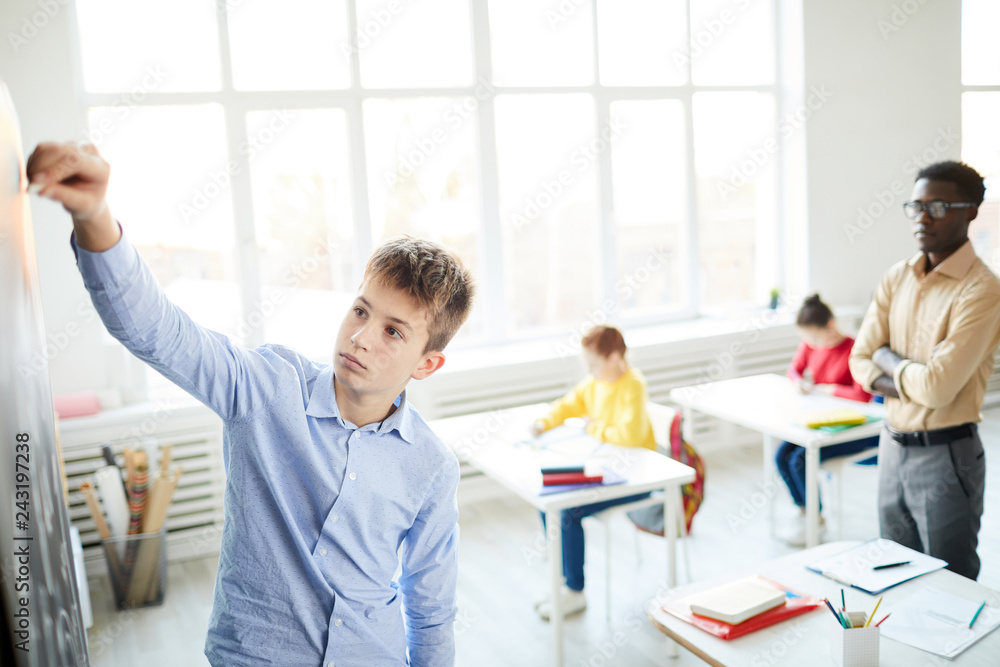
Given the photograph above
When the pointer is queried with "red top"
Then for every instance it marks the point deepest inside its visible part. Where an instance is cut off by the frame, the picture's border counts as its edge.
(829, 366)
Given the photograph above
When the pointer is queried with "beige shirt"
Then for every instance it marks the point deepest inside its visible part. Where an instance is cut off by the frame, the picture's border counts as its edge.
(946, 323)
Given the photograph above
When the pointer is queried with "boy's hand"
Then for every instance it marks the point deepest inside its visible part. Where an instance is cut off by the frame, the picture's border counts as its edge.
(76, 176)
(537, 428)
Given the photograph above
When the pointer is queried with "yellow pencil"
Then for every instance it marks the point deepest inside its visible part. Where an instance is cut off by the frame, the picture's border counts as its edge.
(873, 612)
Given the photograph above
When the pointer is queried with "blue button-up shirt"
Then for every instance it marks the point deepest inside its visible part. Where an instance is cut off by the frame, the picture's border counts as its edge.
(318, 512)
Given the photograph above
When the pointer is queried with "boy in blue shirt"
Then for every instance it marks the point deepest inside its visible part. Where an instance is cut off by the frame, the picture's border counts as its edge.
(330, 470)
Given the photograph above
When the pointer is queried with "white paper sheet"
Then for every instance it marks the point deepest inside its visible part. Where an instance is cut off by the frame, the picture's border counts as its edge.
(938, 622)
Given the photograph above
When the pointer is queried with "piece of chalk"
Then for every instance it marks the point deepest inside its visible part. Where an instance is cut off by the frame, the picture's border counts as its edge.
(34, 188)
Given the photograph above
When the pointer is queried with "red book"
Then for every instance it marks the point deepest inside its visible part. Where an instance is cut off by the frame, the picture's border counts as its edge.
(560, 478)
(795, 604)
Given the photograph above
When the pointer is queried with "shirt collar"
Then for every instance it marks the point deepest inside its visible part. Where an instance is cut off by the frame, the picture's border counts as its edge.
(958, 264)
(323, 403)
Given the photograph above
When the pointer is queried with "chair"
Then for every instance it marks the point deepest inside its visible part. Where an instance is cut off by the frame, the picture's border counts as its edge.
(661, 417)
(833, 471)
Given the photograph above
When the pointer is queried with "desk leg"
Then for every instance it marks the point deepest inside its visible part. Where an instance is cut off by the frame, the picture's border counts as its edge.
(770, 472)
(812, 497)
(672, 504)
(553, 523)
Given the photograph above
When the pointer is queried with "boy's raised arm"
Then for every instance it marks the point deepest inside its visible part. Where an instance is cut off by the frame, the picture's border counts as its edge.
(125, 294)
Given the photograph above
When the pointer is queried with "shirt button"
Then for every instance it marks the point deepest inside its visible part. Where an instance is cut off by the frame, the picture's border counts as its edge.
(338, 622)
(335, 518)
(322, 552)
(353, 476)
(329, 664)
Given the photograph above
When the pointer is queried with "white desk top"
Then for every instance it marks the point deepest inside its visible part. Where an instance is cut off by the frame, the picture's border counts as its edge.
(499, 444)
(805, 639)
(770, 404)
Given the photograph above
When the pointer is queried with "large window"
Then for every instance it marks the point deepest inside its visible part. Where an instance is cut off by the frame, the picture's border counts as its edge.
(589, 159)
(980, 111)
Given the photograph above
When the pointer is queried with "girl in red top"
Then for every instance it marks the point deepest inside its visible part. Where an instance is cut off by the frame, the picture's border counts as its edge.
(819, 367)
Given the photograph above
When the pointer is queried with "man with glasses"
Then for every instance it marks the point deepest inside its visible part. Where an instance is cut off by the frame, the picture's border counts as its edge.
(927, 343)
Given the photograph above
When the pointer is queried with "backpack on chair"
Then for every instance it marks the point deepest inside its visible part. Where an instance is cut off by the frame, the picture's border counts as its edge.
(650, 519)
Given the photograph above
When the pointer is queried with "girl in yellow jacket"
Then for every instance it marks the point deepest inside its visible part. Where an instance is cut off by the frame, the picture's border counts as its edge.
(612, 402)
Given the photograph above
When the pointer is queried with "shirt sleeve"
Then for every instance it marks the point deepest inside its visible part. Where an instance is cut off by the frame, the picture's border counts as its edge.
(799, 362)
(975, 317)
(855, 392)
(627, 421)
(137, 313)
(430, 574)
(573, 404)
(874, 333)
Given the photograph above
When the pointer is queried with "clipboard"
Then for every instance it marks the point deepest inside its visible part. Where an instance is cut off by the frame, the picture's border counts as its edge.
(854, 567)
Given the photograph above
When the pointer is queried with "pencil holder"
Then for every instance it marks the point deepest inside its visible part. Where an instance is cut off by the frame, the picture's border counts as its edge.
(137, 568)
(854, 647)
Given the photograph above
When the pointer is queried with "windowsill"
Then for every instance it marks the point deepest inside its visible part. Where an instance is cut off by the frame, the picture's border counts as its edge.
(700, 328)
(710, 325)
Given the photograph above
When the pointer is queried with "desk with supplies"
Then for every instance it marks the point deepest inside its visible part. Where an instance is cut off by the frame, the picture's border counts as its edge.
(806, 639)
(498, 443)
(771, 405)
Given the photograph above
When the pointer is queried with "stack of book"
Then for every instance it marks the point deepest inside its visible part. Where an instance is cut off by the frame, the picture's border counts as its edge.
(566, 475)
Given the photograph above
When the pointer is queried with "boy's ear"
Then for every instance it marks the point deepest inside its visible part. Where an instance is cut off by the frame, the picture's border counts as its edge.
(432, 361)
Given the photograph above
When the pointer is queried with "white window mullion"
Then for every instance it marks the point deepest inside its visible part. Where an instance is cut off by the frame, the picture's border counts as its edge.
(241, 191)
(356, 140)
(491, 283)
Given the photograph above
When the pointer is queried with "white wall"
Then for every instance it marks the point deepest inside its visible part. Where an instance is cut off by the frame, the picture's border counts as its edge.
(40, 72)
(895, 83)
(891, 95)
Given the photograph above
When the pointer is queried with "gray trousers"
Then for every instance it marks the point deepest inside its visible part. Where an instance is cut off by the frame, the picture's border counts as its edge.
(931, 499)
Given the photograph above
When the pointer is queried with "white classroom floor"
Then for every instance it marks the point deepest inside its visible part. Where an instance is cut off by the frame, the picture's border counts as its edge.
(501, 573)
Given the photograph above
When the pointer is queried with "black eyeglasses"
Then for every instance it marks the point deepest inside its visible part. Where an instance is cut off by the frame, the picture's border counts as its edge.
(937, 209)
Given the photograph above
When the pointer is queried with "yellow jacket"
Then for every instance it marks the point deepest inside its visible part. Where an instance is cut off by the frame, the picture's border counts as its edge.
(617, 410)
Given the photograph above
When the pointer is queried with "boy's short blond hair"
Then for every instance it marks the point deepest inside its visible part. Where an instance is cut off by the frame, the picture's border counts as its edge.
(431, 275)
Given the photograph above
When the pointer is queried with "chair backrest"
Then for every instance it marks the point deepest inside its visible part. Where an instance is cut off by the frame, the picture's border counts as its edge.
(661, 417)
(666, 422)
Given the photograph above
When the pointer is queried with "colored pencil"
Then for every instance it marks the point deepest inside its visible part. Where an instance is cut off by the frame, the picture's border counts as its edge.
(872, 615)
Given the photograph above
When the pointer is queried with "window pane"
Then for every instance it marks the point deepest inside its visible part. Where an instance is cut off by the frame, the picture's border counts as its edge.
(304, 226)
(291, 45)
(734, 172)
(169, 188)
(548, 208)
(647, 52)
(423, 177)
(650, 186)
(981, 149)
(732, 43)
(149, 46)
(411, 44)
(980, 55)
(542, 44)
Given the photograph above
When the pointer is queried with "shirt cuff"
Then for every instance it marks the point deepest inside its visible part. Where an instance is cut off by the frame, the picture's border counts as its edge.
(100, 269)
(897, 378)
